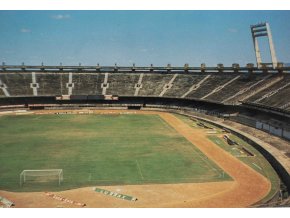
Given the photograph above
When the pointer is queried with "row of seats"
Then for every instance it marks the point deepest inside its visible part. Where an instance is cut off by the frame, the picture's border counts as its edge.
(229, 88)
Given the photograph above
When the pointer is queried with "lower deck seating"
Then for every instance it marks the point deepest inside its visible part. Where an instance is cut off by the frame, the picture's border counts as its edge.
(231, 89)
(52, 84)
(210, 84)
(280, 99)
(152, 84)
(87, 84)
(182, 83)
(122, 84)
(272, 88)
(18, 84)
(265, 89)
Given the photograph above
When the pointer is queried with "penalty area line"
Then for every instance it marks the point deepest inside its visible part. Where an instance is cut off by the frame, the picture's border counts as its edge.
(139, 169)
(257, 166)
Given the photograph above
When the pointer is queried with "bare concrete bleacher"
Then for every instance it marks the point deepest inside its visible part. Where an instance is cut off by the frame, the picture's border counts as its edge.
(87, 83)
(182, 83)
(221, 85)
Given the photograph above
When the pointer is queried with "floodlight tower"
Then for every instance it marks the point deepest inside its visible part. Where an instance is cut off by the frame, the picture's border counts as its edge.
(260, 30)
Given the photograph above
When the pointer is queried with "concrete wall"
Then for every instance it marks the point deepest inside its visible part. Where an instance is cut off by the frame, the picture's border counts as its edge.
(286, 134)
(277, 131)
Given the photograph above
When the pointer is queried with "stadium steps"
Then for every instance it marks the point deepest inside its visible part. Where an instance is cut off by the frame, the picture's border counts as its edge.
(105, 84)
(152, 84)
(271, 93)
(138, 85)
(235, 98)
(219, 88)
(4, 88)
(252, 90)
(168, 85)
(88, 83)
(182, 83)
(286, 106)
(122, 84)
(194, 87)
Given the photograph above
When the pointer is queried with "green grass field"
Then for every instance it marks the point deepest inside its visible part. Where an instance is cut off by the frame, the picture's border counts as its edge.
(99, 150)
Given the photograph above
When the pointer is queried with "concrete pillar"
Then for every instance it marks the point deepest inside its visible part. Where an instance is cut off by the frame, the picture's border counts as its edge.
(264, 68)
(257, 51)
(220, 68)
(98, 67)
(202, 67)
(168, 68)
(236, 67)
(280, 67)
(250, 67)
(271, 44)
(260, 30)
(186, 67)
(151, 68)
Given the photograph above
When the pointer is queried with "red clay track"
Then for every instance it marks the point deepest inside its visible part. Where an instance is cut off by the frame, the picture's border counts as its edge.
(247, 188)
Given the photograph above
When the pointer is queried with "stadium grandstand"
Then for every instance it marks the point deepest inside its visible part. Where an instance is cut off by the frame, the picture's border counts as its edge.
(254, 99)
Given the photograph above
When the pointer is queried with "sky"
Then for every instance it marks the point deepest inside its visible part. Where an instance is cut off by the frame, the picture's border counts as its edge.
(140, 37)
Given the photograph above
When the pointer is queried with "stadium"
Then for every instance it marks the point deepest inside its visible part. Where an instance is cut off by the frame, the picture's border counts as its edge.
(113, 136)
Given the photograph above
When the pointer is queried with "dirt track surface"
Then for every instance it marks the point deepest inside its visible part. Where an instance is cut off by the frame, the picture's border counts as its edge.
(247, 188)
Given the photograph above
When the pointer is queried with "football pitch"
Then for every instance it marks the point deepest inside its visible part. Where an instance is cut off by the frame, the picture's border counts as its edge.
(99, 149)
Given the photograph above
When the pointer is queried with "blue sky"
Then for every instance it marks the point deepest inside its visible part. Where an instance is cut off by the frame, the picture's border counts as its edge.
(140, 37)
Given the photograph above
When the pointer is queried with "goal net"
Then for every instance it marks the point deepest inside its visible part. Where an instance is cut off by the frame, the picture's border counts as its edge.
(36, 176)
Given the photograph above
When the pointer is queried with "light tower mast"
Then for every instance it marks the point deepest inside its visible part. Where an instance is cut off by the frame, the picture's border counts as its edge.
(260, 30)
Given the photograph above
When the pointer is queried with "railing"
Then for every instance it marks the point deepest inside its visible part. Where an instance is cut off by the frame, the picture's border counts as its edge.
(219, 68)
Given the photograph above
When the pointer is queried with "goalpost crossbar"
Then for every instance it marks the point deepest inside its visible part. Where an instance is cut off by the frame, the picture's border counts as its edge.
(41, 173)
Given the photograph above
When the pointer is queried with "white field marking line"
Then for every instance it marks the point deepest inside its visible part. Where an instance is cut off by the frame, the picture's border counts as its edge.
(242, 156)
(257, 166)
(217, 142)
(222, 173)
(36, 117)
(204, 159)
(196, 152)
(262, 166)
(179, 178)
(139, 169)
(210, 166)
(166, 125)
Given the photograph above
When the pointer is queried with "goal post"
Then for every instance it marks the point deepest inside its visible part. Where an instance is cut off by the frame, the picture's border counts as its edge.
(41, 176)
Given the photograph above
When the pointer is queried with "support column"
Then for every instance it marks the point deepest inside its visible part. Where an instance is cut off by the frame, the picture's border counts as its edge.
(261, 30)
(272, 48)
(258, 53)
